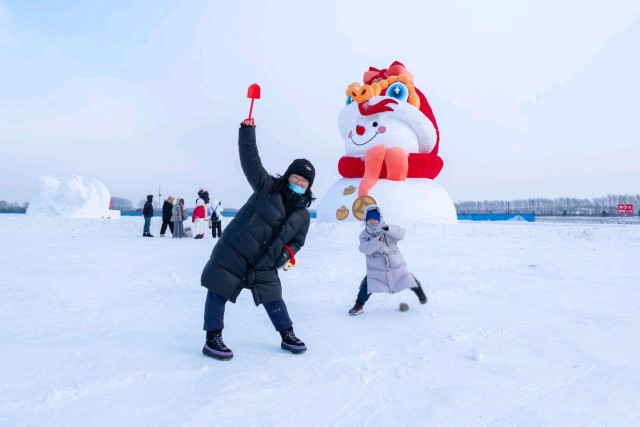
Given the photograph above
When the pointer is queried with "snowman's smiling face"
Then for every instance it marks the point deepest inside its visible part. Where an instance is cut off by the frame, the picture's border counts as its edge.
(400, 125)
(361, 133)
(366, 131)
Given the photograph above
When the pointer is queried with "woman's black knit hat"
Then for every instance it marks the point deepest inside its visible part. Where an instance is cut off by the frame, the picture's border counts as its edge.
(302, 167)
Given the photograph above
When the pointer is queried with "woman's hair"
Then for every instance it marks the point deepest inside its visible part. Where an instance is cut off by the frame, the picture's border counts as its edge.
(181, 201)
(281, 183)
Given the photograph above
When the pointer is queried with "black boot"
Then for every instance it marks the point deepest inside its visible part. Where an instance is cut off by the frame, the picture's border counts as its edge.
(214, 346)
(420, 293)
(291, 343)
(358, 308)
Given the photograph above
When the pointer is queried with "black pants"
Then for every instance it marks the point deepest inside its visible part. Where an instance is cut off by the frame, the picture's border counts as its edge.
(214, 313)
(164, 226)
(216, 228)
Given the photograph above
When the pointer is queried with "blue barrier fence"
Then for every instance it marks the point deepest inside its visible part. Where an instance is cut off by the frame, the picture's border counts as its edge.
(190, 212)
(497, 217)
(159, 213)
(462, 217)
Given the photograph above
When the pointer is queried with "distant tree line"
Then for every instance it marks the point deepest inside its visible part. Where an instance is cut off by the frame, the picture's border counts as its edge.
(600, 206)
(121, 204)
(13, 207)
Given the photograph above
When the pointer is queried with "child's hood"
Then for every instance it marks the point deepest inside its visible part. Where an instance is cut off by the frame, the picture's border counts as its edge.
(370, 208)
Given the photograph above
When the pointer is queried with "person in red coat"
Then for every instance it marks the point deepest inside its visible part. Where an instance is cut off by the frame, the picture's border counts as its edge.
(198, 218)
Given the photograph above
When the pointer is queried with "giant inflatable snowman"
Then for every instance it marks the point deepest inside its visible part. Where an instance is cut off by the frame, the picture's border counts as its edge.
(391, 141)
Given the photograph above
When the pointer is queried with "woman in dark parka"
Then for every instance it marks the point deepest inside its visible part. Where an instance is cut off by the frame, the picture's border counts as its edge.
(167, 212)
(272, 224)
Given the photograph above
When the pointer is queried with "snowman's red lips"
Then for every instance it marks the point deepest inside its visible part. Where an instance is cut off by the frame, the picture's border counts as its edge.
(366, 142)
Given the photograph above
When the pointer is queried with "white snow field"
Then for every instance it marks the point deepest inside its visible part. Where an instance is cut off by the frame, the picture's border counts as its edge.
(534, 324)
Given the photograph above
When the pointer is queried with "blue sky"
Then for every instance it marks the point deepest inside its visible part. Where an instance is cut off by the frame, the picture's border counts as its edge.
(533, 99)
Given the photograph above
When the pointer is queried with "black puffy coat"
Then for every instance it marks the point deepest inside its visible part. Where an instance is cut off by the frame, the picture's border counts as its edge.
(251, 246)
(167, 211)
(147, 210)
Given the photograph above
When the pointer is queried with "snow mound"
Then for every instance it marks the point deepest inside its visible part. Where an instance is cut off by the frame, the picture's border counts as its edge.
(72, 196)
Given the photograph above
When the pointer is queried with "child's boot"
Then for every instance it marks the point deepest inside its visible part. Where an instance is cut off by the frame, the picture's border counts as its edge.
(214, 346)
(420, 293)
(358, 308)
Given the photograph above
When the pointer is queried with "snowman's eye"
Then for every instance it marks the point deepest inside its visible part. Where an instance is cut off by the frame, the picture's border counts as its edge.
(349, 100)
(398, 91)
(375, 124)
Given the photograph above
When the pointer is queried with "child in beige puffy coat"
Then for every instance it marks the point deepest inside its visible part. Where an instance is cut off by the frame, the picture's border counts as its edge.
(387, 269)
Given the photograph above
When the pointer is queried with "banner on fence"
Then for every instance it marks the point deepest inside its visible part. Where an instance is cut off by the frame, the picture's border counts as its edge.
(625, 208)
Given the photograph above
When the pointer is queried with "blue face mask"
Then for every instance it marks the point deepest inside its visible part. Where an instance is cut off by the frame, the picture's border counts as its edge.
(296, 188)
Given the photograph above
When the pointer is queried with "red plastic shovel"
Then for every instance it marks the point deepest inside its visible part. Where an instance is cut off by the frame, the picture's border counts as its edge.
(254, 93)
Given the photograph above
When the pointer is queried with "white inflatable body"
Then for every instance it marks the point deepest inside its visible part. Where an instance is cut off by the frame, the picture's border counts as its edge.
(415, 200)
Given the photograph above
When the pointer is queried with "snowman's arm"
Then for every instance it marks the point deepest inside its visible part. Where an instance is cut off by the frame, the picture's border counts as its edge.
(373, 161)
(351, 167)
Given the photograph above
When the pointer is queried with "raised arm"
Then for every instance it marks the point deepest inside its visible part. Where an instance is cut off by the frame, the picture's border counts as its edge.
(250, 161)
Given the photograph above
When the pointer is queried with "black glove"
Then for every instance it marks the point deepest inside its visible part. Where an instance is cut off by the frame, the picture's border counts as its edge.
(283, 258)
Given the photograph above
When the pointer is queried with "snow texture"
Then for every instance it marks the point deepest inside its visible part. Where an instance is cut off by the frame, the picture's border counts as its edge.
(72, 196)
(526, 324)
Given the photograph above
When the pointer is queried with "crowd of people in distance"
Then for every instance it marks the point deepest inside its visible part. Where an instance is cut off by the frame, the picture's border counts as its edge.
(207, 211)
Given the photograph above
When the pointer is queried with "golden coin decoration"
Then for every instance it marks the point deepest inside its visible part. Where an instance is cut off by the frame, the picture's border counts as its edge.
(342, 213)
(349, 190)
(360, 204)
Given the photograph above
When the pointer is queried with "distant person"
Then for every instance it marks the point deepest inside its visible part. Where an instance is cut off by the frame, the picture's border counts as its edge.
(198, 219)
(178, 216)
(167, 212)
(147, 212)
(262, 237)
(215, 216)
(204, 195)
(386, 268)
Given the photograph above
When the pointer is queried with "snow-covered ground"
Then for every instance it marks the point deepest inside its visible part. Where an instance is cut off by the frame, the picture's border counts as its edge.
(527, 324)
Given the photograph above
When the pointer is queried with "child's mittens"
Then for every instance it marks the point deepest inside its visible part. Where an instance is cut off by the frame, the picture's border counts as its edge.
(248, 123)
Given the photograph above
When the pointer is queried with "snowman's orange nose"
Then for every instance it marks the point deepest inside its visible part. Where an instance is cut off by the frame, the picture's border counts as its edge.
(360, 130)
